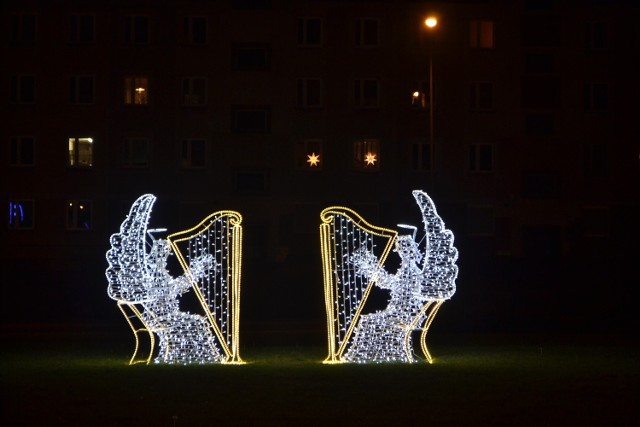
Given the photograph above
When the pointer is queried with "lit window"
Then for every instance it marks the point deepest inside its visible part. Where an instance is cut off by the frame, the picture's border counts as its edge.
(596, 97)
(481, 96)
(595, 35)
(135, 152)
(82, 29)
(194, 91)
(136, 90)
(22, 151)
(193, 153)
(420, 98)
(309, 155)
(366, 154)
(366, 93)
(194, 30)
(21, 216)
(367, 32)
(81, 90)
(309, 93)
(251, 57)
(136, 30)
(421, 157)
(481, 158)
(309, 32)
(78, 215)
(81, 152)
(251, 120)
(23, 28)
(23, 89)
(481, 34)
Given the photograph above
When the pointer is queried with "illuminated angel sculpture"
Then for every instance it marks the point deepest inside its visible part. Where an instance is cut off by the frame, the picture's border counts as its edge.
(354, 253)
(148, 295)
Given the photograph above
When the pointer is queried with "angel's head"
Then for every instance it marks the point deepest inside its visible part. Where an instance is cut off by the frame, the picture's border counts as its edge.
(408, 249)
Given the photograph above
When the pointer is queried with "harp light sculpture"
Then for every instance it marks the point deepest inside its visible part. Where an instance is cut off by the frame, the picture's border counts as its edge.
(353, 257)
(148, 296)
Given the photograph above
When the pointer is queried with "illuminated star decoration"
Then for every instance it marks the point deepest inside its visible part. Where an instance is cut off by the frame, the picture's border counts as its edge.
(370, 159)
(313, 159)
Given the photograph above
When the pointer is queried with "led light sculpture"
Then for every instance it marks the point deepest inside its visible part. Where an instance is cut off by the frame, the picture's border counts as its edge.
(353, 257)
(148, 296)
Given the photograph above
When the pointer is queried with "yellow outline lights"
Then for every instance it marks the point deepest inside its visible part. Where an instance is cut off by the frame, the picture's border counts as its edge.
(353, 256)
(149, 296)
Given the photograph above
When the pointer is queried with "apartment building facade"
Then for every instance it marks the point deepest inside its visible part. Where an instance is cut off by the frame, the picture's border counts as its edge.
(528, 144)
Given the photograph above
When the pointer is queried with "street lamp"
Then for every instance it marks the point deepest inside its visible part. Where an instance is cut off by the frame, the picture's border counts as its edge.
(431, 23)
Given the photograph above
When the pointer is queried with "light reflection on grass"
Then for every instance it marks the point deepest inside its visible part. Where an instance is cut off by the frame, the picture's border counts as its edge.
(486, 382)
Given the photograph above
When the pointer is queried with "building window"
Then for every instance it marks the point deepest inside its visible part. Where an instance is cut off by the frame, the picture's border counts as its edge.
(309, 93)
(541, 31)
(82, 29)
(421, 157)
(481, 221)
(78, 215)
(595, 35)
(81, 90)
(420, 96)
(251, 57)
(23, 89)
(81, 152)
(194, 30)
(481, 34)
(21, 214)
(136, 29)
(366, 93)
(366, 155)
(251, 120)
(309, 155)
(596, 160)
(309, 32)
(596, 97)
(540, 124)
(251, 182)
(21, 151)
(23, 28)
(481, 96)
(135, 152)
(194, 91)
(136, 90)
(193, 153)
(480, 158)
(367, 32)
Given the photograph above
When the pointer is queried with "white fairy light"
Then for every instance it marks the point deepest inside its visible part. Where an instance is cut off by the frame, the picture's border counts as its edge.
(138, 279)
(352, 264)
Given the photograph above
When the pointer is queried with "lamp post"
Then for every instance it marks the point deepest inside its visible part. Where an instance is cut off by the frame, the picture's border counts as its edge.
(431, 23)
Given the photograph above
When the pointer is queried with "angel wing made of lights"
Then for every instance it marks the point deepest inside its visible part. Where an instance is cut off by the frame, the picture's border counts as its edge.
(439, 271)
(128, 256)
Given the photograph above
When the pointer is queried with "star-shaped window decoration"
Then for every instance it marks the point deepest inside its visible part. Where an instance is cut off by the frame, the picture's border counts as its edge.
(370, 159)
(313, 159)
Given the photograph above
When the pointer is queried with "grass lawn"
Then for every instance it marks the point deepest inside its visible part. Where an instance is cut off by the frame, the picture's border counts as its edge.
(483, 380)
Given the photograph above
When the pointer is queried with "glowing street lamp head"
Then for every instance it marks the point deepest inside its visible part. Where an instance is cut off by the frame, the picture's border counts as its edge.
(431, 22)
